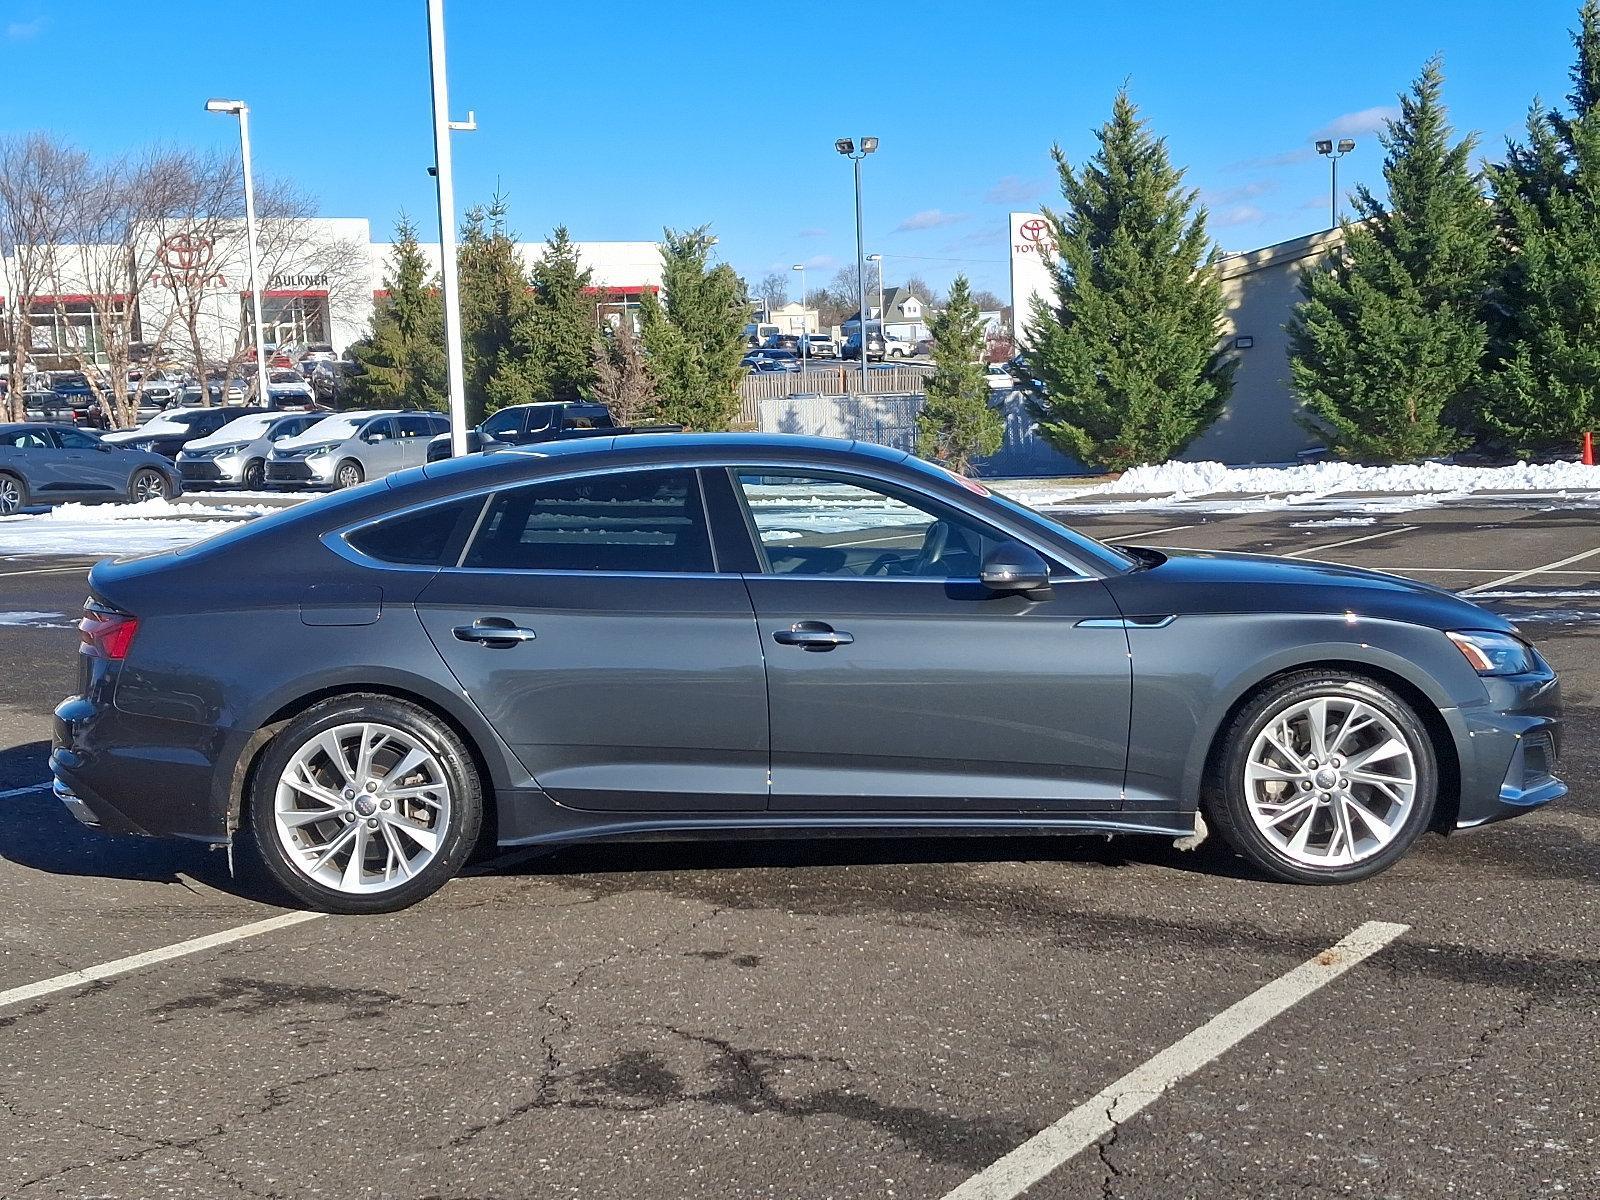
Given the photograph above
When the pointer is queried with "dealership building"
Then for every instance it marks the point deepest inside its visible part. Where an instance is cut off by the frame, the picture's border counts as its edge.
(1260, 288)
(321, 278)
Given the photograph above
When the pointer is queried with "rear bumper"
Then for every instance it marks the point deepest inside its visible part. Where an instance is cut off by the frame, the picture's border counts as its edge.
(149, 776)
(1509, 749)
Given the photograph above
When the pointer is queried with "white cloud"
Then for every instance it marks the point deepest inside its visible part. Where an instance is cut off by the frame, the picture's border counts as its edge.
(821, 262)
(1014, 189)
(929, 218)
(25, 31)
(1353, 124)
(1222, 197)
(813, 232)
(1239, 214)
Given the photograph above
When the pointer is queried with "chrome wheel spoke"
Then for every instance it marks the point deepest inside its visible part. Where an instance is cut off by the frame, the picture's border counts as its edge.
(422, 834)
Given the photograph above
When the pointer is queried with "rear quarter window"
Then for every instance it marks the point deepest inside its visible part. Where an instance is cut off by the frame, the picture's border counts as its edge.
(425, 537)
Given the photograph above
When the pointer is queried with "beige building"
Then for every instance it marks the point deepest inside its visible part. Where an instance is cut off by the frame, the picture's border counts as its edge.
(1260, 289)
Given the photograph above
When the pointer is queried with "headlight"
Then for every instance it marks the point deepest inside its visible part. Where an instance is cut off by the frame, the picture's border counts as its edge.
(320, 452)
(1495, 653)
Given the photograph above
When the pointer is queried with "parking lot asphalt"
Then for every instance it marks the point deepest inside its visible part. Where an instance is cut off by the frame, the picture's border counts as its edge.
(833, 1018)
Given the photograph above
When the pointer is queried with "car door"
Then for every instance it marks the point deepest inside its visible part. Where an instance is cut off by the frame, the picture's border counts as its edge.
(34, 457)
(589, 623)
(897, 682)
(381, 452)
(90, 466)
(415, 430)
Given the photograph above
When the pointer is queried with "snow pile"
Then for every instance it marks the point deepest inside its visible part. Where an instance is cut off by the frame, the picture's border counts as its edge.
(1320, 479)
(35, 620)
(98, 529)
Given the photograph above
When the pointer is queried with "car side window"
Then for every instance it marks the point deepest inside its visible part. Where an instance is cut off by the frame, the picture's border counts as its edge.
(26, 439)
(819, 524)
(503, 422)
(385, 427)
(627, 521)
(416, 425)
(71, 439)
(419, 538)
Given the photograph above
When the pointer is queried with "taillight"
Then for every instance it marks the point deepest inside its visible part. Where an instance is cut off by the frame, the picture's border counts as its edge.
(106, 633)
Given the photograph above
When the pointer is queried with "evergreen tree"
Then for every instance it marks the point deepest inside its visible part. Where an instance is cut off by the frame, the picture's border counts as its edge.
(557, 333)
(402, 359)
(1387, 344)
(1543, 387)
(495, 302)
(695, 336)
(956, 424)
(1126, 356)
(622, 378)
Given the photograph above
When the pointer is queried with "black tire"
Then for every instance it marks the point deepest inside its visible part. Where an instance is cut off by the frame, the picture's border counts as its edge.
(13, 494)
(254, 477)
(348, 474)
(455, 845)
(1225, 804)
(148, 484)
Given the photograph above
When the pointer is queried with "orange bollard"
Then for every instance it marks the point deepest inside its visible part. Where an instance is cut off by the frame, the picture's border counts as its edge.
(1588, 449)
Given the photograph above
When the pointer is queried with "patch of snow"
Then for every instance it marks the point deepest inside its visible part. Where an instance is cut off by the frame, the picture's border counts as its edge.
(1334, 523)
(94, 529)
(1554, 594)
(35, 620)
(1421, 484)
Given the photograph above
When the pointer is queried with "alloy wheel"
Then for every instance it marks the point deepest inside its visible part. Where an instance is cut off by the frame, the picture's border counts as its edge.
(1330, 781)
(148, 485)
(349, 475)
(362, 807)
(10, 496)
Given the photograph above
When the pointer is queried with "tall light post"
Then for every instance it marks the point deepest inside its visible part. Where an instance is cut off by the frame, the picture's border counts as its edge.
(240, 109)
(805, 325)
(450, 283)
(1326, 149)
(847, 147)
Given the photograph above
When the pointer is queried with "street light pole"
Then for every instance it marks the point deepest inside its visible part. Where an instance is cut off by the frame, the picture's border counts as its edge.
(1327, 150)
(805, 325)
(449, 279)
(878, 258)
(847, 147)
(242, 110)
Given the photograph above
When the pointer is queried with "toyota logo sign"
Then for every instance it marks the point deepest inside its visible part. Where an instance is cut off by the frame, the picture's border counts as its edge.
(1034, 231)
(185, 251)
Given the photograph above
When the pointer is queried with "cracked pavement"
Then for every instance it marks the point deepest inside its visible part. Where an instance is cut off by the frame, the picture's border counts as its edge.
(823, 1019)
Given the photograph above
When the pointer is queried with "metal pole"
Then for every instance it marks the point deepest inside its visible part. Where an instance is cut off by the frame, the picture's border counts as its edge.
(250, 244)
(805, 328)
(1333, 191)
(449, 281)
(861, 274)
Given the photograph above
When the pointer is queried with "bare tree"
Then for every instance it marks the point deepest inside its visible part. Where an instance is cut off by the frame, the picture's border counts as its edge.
(774, 289)
(39, 176)
(623, 382)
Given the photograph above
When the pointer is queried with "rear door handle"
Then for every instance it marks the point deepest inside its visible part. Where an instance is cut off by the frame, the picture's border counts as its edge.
(492, 631)
(812, 635)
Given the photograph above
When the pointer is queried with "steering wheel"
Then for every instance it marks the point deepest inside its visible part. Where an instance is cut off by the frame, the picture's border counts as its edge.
(934, 543)
(881, 564)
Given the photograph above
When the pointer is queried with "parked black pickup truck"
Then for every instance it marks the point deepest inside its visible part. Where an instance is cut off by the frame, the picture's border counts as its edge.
(524, 424)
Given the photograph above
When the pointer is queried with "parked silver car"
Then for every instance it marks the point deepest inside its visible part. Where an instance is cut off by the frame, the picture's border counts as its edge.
(345, 449)
(236, 455)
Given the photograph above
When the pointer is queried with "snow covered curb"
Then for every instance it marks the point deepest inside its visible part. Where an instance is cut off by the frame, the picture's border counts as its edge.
(1181, 483)
(96, 529)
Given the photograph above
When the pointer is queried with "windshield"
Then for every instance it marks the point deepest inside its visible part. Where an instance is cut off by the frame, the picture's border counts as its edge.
(338, 428)
(242, 429)
(1116, 559)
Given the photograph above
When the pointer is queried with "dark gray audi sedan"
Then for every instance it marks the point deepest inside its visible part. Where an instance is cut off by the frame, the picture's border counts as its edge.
(735, 635)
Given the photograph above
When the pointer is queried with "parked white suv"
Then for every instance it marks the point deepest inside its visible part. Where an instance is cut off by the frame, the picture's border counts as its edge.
(345, 449)
(236, 455)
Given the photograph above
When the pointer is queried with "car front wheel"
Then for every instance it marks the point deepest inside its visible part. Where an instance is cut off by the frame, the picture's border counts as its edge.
(364, 804)
(349, 474)
(255, 475)
(147, 485)
(13, 495)
(1326, 777)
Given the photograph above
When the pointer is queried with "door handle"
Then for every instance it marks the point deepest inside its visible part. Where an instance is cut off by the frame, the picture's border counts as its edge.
(812, 635)
(491, 630)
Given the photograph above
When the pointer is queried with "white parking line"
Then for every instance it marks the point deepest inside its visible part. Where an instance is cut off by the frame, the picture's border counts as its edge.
(1371, 537)
(1041, 1154)
(23, 791)
(46, 571)
(1122, 537)
(1516, 575)
(121, 966)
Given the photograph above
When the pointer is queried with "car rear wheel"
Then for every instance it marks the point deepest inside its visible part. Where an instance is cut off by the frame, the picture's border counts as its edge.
(147, 485)
(364, 804)
(13, 495)
(255, 475)
(1326, 777)
(349, 474)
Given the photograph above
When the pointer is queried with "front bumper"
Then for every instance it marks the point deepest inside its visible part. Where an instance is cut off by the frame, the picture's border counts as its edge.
(1509, 749)
(211, 470)
(299, 472)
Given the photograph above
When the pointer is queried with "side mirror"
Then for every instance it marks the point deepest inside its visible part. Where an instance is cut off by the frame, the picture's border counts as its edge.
(1013, 567)
(375, 438)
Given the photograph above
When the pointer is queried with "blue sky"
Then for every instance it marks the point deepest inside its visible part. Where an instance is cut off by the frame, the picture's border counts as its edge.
(619, 118)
